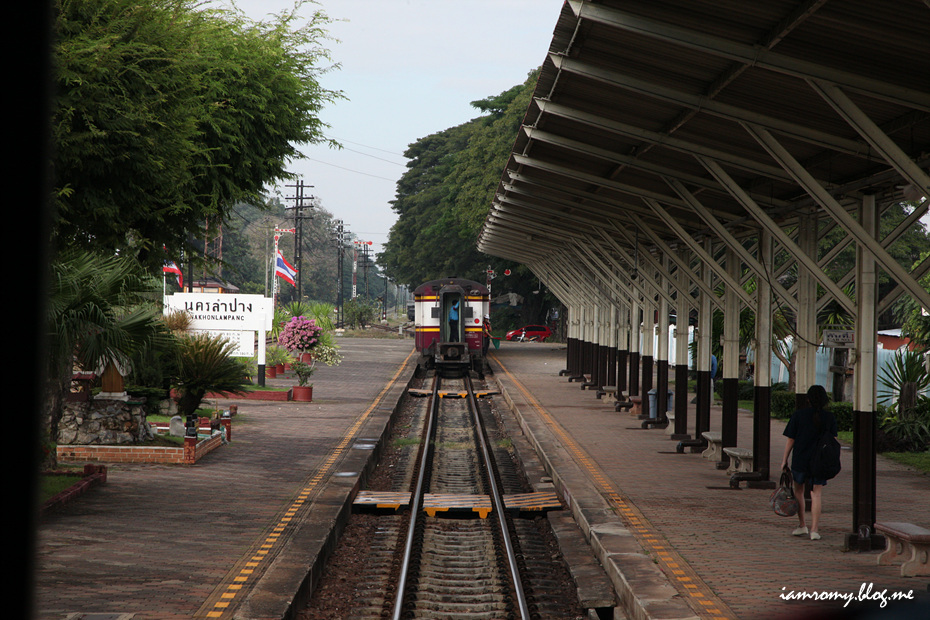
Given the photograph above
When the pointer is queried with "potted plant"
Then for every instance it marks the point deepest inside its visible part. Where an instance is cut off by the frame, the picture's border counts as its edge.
(275, 359)
(300, 336)
(302, 391)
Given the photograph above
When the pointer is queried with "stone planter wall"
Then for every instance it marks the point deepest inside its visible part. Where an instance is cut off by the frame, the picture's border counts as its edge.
(103, 422)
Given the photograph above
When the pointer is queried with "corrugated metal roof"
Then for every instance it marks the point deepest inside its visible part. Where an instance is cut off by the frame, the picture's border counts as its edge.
(639, 100)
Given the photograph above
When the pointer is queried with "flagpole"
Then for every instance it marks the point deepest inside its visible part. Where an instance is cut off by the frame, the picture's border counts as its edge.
(274, 273)
(274, 263)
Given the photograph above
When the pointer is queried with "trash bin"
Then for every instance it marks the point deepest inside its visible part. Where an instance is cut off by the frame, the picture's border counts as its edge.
(670, 405)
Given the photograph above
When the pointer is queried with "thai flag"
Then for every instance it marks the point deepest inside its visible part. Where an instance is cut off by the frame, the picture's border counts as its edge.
(285, 270)
(172, 267)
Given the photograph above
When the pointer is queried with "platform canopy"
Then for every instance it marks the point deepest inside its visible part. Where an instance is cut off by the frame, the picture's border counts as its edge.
(664, 125)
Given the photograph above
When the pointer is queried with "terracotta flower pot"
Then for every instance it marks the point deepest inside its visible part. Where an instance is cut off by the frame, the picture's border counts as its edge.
(279, 368)
(271, 371)
(306, 358)
(302, 393)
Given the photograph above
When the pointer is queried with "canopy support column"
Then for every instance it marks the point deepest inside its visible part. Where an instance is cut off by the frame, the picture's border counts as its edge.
(682, 330)
(863, 536)
(730, 393)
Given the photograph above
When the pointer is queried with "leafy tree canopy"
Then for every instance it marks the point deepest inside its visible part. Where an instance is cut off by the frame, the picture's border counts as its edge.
(168, 112)
(444, 197)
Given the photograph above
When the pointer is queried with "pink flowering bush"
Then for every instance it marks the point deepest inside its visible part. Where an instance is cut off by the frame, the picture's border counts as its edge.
(300, 334)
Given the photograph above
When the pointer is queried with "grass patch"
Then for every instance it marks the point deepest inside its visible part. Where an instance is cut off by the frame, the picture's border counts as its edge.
(917, 460)
(403, 442)
(51, 485)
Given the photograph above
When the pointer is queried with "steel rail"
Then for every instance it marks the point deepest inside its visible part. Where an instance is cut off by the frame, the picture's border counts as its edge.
(498, 502)
(417, 498)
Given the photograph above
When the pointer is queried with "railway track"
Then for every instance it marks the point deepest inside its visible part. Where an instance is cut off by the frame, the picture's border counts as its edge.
(449, 547)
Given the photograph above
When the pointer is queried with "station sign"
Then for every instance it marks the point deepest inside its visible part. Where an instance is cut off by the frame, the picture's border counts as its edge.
(224, 311)
(839, 338)
(242, 342)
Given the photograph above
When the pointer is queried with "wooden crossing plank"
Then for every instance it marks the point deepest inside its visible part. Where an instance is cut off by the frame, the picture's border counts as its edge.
(446, 502)
(452, 393)
(541, 500)
(382, 499)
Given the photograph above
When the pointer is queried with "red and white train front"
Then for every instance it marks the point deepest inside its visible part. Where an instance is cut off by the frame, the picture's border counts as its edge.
(448, 321)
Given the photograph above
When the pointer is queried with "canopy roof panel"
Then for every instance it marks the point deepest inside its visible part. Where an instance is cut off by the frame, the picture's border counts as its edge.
(643, 109)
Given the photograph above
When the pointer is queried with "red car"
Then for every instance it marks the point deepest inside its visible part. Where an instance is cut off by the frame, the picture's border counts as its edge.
(530, 332)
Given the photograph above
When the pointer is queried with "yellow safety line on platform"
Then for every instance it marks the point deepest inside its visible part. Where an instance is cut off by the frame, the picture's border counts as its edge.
(228, 594)
(699, 595)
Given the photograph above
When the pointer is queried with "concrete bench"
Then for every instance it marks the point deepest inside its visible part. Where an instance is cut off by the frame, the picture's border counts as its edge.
(714, 451)
(607, 389)
(637, 408)
(908, 544)
(670, 429)
(740, 459)
(620, 405)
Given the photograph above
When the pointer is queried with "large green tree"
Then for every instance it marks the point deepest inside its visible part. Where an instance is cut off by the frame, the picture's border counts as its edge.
(169, 112)
(444, 197)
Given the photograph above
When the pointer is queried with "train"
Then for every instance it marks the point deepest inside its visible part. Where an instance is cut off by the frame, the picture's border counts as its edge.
(452, 347)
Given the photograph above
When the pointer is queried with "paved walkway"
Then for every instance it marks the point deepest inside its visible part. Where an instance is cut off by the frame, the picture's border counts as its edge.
(233, 531)
(703, 549)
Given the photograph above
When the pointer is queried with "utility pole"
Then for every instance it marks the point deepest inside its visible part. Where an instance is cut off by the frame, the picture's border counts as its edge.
(299, 206)
(340, 257)
(364, 245)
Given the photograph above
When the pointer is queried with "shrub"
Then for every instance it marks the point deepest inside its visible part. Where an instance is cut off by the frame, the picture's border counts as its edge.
(843, 412)
(300, 334)
(358, 314)
(783, 404)
(907, 430)
(205, 364)
(747, 390)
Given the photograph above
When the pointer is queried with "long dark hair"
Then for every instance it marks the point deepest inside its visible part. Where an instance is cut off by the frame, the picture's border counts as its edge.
(818, 399)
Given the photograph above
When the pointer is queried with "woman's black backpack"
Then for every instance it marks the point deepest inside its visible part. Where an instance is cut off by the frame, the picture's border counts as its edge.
(825, 460)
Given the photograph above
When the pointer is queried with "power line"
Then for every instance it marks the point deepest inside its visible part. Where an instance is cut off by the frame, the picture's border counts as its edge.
(374, 148)
(351, 170)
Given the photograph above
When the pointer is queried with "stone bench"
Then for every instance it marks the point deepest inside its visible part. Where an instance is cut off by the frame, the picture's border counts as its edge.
(607, 389)
(620, 405)
(670, 429)
(740, 459)
(908, 544)
(637, 408)
(714, 451)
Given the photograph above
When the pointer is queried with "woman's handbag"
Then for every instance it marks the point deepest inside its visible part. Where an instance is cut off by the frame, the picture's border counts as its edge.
(783, 501)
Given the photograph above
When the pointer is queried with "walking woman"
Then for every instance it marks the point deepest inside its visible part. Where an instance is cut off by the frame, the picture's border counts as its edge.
(804, 428)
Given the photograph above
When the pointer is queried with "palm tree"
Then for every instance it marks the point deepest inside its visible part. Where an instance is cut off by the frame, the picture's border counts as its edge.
(205, 364)
(100, 310)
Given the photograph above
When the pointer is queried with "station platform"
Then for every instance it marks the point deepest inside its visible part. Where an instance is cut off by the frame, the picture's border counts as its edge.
(232, 536)
(239, 534)
(676, 539)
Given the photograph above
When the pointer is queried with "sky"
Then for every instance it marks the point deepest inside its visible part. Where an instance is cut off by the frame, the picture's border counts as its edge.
(409, 68)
